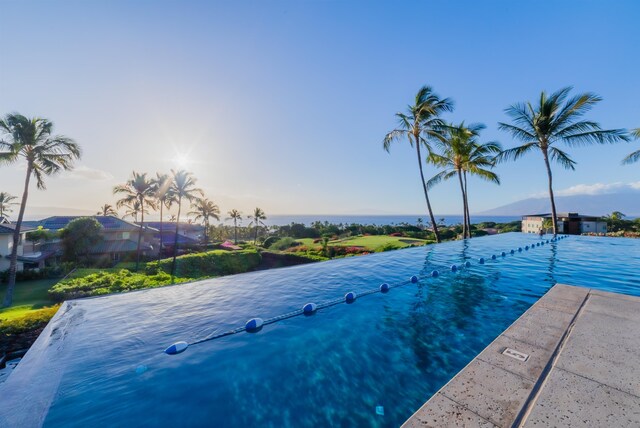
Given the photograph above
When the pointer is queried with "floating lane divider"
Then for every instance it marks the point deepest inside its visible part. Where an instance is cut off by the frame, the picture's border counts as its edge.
(254, 325)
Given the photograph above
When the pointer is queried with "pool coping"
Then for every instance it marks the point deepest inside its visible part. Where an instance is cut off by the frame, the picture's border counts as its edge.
(570, 367)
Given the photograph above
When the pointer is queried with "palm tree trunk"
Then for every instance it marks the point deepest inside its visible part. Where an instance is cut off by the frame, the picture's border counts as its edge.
(13, 263)
(464, 206)
(554, 217)
(426, 194)
(175, 240)
(140, 235)
(255, 239)
(466, 197)
(235, 227)
(160, 252)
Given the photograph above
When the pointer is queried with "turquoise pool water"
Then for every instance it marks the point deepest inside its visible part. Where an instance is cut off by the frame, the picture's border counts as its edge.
(101, 362)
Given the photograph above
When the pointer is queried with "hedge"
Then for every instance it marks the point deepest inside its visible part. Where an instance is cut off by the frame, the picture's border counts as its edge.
(211, 263)
(100, 283)
(29, 321)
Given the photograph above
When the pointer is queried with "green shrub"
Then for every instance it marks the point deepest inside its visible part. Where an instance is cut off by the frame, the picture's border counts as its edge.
(282, 244)
(211, 263)
(102, 282)
(30, 321)
(267, 243)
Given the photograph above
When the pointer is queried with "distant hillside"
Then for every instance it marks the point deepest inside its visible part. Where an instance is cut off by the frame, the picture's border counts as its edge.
(627, 203)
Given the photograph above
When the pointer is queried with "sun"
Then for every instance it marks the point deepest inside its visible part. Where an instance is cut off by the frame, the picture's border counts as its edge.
(182, 160)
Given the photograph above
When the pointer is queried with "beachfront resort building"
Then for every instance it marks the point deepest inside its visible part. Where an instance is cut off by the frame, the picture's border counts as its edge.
(568, 223)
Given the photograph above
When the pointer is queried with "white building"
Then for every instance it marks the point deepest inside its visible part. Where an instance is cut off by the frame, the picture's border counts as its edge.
(568, 223)
(6, 245)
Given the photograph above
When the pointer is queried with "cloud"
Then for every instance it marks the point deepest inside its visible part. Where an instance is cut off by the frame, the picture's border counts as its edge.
(594, 189)
(85, 173)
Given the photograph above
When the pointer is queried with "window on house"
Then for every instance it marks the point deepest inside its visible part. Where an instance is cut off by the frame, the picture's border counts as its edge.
(125, 235)
(115, 257)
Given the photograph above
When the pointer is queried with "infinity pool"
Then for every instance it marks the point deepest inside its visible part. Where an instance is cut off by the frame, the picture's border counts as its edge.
(372, 363)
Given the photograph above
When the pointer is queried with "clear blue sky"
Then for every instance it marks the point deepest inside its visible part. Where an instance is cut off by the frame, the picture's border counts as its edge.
(284, 104)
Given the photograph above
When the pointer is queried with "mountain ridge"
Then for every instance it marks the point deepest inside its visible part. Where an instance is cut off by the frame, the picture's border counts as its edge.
(597, 205)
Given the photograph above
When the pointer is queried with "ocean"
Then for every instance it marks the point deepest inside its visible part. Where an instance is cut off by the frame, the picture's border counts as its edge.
(378, 220)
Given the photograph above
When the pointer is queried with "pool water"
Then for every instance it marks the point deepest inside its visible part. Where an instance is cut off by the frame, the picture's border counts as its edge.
(371, 363)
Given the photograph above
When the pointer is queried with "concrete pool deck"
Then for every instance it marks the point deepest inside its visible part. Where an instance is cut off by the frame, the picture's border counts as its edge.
(571, 360)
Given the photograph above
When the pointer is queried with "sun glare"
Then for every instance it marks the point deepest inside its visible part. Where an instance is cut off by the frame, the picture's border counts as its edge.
(182, 160)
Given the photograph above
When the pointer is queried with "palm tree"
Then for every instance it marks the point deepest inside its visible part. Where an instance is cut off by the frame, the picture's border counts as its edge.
(183, 186)
(236, 216)
(106, 210)
(481, 160)
(138, 189)
(6, 201)
(553, 120)
(30, 139)
(632, 157)
(133, 210)
(203, 209)
(256, 220)
(462, 154)
(165, 198)
(421, 125)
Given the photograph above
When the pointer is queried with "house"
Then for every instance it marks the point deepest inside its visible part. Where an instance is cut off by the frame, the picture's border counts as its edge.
(25, 258)
(119, 237)
(568, 223)
(192, 231)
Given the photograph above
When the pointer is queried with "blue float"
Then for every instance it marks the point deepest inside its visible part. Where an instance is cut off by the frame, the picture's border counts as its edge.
(309, 308)
(503, 254)
(512, 252)
(253, 325)
(384, 287)
(481, 261)
(176, 348)
(493, 257)
(454, 268)
(547, 241)
(414, 279)
(467, 264)
(519, 249)
(526, 248)
(350, 297)
(435, 274)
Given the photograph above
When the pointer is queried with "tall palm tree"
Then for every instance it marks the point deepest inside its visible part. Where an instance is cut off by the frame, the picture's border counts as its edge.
(256, 220)
(461, 153)
(138, 189)
(634, 156)
(165, 198)
(30, 140)
(236, 216)
(204, 209)
(183, 186)
(554, 120)
(6, 201)
(106, 210)
(421, 125)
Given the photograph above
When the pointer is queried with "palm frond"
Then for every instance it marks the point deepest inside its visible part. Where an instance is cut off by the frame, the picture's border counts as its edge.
(516, 152)
(517, 132)
(631, 158)
(596, 136)
(562, 158)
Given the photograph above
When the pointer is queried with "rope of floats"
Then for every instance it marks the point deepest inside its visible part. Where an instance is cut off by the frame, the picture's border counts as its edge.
(255, 324)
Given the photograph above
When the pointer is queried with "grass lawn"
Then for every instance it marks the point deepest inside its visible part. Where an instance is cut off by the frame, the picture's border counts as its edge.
(27, 296)
(370, 243)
